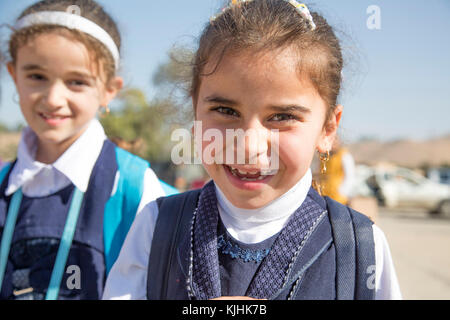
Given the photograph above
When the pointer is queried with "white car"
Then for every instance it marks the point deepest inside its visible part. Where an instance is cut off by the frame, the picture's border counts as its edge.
(401, 187)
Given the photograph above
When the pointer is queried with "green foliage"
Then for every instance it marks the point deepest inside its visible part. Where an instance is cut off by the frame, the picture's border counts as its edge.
(8, 152)
(141, 122)
(3, 128)
(176, 73)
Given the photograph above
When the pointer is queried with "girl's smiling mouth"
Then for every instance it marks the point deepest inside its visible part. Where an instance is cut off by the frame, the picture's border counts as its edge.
(53, 119)
(248, 179)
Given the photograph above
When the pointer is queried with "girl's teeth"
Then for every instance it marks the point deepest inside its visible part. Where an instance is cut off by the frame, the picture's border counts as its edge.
(236, 171)
(52, 117)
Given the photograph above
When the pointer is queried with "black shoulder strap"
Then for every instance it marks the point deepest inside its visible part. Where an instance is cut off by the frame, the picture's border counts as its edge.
(355, 252)
(365, 256)
(174, 215)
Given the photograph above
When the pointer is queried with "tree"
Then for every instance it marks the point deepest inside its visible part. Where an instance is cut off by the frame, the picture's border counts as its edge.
(144, 127)
(141, 126)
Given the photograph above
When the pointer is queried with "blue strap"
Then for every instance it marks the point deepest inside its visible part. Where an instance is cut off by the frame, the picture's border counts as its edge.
(64, 246)
(8, 231)
(121, 208)
(4, 171)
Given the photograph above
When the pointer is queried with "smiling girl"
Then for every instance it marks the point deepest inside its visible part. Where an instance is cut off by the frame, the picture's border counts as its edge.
(272, 67)
(68, 200)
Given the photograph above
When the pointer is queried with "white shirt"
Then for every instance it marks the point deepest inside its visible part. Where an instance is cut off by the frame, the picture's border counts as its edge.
(128, 277)
(75, 166)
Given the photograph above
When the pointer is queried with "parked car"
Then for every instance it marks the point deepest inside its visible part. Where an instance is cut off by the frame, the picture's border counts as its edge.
(441, 175)
(401, 187)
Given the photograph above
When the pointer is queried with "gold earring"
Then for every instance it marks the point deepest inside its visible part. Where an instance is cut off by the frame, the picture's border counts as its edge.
(324, 158)
(106, 112)
(320, 185)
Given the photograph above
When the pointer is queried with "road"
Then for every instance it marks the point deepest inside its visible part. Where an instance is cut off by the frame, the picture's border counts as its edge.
(420, 247)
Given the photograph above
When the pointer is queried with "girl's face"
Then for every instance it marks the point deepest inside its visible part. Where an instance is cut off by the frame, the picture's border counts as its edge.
(264, 93)
(59, 87)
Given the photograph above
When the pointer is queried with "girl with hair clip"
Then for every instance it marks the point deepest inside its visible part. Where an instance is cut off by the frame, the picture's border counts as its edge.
(259, 231)
(67, 202)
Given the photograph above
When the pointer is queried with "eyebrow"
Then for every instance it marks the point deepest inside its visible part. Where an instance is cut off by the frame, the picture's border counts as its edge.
(82, 75)
(220, 100)
(291, 108)
(287, 108)
(31, 67)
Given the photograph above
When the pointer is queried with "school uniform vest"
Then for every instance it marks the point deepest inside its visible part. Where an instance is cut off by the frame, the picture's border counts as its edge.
(310, 258)
(39, 227)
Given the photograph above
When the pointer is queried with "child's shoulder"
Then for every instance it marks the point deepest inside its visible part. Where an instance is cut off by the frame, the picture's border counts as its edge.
(179, 199)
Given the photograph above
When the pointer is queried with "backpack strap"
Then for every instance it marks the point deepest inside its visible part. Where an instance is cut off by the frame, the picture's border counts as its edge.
(122, 206)
(355, 252)
(4, 172)
(120, 209)
(174, 216)
(365, 256)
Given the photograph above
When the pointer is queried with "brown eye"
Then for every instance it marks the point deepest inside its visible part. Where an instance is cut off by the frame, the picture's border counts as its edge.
(284, 117)
(227, 111)
(36, 77)
(77, 83)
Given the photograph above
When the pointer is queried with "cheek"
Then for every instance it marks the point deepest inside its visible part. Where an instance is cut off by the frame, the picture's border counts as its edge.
(85, 105)
(297, 150)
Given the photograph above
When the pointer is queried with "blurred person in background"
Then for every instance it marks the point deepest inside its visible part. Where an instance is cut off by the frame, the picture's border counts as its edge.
(338, 178)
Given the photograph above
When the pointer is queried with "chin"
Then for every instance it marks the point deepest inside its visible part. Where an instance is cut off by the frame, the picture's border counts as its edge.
(53, 137)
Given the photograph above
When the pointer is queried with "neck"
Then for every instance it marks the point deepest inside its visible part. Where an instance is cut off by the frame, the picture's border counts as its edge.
(49, 152)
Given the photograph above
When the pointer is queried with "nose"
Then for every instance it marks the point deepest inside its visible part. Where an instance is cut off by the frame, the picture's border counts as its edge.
(253, 145)
(55, 97)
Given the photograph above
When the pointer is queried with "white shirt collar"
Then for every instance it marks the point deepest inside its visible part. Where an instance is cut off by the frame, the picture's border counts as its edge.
(76, 163)
(256, 225)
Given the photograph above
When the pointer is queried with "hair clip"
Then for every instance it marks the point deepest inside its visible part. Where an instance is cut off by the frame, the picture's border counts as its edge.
(304, 11)
(300, 7)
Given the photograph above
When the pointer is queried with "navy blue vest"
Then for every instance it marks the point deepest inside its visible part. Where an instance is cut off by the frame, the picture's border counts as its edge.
(39, 226)
(319, 269)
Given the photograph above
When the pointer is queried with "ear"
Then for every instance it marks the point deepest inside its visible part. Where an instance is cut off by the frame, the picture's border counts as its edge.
(12, 71)
(111, 90)
(329, 131)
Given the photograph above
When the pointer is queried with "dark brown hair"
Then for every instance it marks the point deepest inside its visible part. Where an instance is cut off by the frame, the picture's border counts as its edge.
(89, 9)
(266, 25)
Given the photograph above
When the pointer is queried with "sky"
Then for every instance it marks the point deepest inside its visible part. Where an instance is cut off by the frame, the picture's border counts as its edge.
(396, 80)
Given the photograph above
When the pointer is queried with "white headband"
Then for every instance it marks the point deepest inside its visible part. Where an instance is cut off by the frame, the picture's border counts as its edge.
(71, 21)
